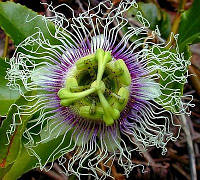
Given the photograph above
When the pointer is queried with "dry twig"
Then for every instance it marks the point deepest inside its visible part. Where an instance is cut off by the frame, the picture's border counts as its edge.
(190, 147)
(181, 171)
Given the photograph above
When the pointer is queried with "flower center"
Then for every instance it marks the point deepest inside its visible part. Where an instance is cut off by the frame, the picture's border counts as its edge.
(97, 88)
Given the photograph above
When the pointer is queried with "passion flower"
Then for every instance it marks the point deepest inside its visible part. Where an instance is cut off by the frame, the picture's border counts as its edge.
(96, 90)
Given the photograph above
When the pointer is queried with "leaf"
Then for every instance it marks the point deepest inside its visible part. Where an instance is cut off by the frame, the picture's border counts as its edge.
(7, 96)
(19, 22)
(25, 162)
(149, 12)
(3, 171)
(166, 99)
(21, 161)
(165, 24)
(189, 29)
(10, 142)
(155, 16)
(171, 83)
(46, 151)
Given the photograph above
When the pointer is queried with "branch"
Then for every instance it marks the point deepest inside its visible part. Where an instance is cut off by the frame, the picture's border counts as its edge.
(193, 173)
(176, 22)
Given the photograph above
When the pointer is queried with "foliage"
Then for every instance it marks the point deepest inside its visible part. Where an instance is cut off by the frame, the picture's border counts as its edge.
(12, 152)
(7, 96)
(189, 30)
(19, 22)
(154, 15)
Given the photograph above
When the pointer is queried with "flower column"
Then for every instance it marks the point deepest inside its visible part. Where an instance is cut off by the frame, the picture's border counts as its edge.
(104, 108)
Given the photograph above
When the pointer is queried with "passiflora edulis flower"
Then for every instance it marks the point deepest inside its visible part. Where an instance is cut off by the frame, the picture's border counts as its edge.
(98, 93)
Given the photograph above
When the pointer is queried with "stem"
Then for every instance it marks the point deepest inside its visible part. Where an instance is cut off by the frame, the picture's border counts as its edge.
(182, 5)
(5, 50)
(176, 23)
(193, 173)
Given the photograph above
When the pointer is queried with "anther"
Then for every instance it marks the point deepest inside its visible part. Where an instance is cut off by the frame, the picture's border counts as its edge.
(102, 98)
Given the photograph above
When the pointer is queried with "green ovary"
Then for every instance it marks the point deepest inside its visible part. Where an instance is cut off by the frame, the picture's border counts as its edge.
(98, 88)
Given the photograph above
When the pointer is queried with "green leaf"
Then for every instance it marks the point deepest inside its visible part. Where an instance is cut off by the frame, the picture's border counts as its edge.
(154, 16)
(149, 12)
(166, 99)
(189, 29)
(3, 171)
(171, 83)
(9, 149)
(165, 24)
(22, 161)
(25, 162)
(47, 151)
(7, 96)
(19, 22)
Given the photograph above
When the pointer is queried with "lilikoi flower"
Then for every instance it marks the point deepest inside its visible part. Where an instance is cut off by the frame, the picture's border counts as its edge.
(97, 92)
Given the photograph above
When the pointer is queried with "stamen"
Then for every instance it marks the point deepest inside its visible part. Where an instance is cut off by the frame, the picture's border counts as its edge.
(87, 112)
(125, 78)
(110, 114)
(85, 62)
(94, 104)
(124, 95)
(67, 97)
